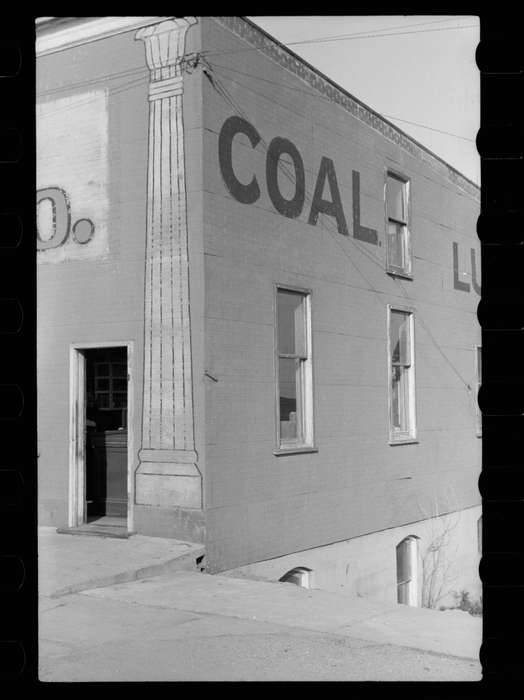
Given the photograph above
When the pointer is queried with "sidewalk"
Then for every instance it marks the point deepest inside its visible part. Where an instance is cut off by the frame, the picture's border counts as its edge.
(72, 563)
(107, 570)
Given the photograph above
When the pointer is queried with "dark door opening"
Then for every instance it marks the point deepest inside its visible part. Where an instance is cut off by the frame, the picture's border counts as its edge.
(106, 436)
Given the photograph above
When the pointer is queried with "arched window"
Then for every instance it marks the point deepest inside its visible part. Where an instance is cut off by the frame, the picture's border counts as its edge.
(300, 576)
(408, 571)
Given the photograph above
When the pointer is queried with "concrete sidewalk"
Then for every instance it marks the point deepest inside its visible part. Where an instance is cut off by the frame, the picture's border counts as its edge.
(108, 569)
(72, 563)
(454, 633)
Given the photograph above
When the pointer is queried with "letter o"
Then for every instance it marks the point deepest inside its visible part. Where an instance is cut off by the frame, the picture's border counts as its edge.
(61, 217)
(291, 208)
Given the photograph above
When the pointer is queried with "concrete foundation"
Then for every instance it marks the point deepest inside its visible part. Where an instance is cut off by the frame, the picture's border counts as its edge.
(366, 566)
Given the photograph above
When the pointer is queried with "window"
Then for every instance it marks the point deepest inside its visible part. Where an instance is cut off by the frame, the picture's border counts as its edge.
(478, 382)
(408, 586)
(110, 385)
(294, 382)
(401, 376)
(300, 576)
(397, 233)
(479, 534)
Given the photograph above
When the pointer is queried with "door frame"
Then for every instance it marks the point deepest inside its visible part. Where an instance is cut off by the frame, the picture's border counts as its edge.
(77, 425)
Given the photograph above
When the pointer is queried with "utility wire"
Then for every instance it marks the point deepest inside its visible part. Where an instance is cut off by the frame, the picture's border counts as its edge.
(349, 37)
(278, 104)
(222, 90)
(325, 99)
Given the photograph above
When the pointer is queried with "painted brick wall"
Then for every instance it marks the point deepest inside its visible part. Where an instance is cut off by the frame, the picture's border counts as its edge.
(100, 298)
(260, 505)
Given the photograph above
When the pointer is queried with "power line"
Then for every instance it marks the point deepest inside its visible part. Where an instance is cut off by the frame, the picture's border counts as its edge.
(348, 37)
(321, 97)
(430, 128)
(228, 98)
(278, 104)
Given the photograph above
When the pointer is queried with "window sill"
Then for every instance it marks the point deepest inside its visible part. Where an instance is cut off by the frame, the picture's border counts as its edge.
(279, 452)
(399, 273)
(403, 441)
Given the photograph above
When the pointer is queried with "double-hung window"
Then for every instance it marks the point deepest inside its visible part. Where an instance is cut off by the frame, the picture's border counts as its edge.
(397, 222)
(402, 426)
(294, 372)
(478, 372)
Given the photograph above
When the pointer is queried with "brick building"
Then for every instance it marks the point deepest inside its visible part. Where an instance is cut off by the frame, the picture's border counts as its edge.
(256, 312)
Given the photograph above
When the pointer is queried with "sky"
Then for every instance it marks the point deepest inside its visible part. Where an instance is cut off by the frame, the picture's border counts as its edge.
(424, 77)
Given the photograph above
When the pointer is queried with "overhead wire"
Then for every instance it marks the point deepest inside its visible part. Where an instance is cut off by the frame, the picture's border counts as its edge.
(348, 37)
(222, 90)
(319, 96)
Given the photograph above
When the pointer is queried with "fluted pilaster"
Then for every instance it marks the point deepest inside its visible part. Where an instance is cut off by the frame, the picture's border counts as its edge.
(168, 449)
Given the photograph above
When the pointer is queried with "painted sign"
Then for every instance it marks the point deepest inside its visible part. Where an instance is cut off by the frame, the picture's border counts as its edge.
(72, 178)
(284, 157)
(459, 284)
(291, 207)
(60, 221)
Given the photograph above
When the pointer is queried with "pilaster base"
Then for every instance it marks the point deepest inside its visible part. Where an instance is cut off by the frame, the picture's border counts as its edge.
(184, 524)
(166, 484)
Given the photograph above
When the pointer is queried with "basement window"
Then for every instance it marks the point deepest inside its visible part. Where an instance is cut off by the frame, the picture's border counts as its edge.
(300, 576)
(408, 579)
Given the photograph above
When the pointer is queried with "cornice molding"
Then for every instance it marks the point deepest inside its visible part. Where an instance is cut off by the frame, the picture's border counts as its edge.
(51, 39)
(286, 59)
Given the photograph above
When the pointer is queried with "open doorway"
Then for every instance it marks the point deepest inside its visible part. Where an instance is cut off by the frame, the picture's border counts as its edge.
(101, 445)
(106, 436)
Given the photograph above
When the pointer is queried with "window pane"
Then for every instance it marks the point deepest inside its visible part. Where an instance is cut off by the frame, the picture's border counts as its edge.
(102, 369)
(399, 330)
(290, 320)
(396, 246)
(119, 400)
(287, 376)
(102, 384)
(399, 398)
(102, 400)
(479, 365)
(119, 370)
(119, 384)
(396, 199)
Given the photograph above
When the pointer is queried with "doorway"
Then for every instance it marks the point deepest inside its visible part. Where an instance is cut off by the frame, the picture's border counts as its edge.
(106, 436)
(100, 446)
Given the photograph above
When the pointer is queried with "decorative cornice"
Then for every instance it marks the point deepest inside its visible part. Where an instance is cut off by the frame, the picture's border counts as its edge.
(286, 59)
(53, 34)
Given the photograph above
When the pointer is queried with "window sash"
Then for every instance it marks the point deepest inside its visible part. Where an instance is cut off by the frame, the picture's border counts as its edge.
(478, 384)
(401, 375)
(398, 252)
(293, 371)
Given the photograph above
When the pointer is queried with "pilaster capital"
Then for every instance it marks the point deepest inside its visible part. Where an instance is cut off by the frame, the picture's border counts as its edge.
(164, 43)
